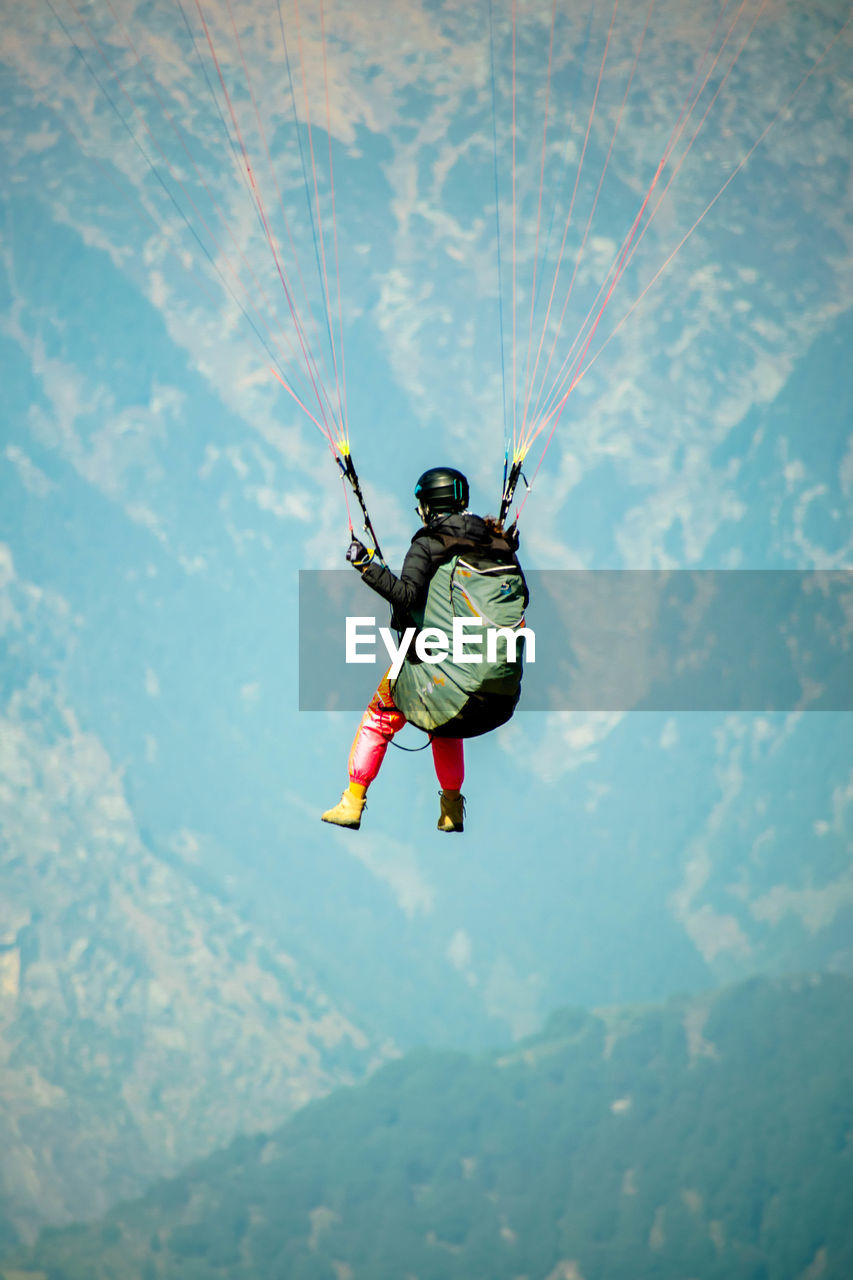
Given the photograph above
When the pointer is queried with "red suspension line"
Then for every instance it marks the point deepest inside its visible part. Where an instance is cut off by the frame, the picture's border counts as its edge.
(301, 404)
(263, 135)
(677, 130)
(741, 163)
(539, 211)
(520, 443)
(624, 257)
(342, 390)
(261, 210)
(175, 178)
(321, 237)
(222, 218)
(514, 241)
(686, 151)
(588, 226)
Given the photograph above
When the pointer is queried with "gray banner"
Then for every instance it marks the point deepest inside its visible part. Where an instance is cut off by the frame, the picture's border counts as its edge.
(641, 640)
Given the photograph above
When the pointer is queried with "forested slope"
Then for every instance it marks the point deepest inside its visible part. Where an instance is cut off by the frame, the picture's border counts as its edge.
(707, 1138)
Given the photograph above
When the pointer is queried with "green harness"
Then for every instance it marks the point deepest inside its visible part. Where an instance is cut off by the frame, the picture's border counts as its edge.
(458, 699)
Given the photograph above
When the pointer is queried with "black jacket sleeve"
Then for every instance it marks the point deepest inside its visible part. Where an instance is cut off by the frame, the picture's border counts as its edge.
(409, 591)
(429, 548)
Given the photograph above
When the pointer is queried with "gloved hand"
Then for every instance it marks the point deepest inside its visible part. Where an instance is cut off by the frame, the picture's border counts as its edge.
(358, 554)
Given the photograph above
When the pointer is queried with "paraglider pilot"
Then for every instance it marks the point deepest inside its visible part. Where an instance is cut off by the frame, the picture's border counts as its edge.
(442, 495)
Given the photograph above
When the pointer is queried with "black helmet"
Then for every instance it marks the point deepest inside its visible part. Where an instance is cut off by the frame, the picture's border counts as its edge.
(441, 491)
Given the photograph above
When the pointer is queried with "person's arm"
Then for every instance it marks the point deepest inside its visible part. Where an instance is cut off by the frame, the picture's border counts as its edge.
(409, 590)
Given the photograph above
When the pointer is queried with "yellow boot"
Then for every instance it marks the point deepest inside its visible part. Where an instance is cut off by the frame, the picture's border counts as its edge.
(348, 812)
(452, 811)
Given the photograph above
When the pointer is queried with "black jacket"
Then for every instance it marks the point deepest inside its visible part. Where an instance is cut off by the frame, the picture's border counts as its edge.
(430, 547)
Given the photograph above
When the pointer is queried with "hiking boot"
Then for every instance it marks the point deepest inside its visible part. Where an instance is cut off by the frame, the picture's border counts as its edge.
(452, 811)
(347, 813)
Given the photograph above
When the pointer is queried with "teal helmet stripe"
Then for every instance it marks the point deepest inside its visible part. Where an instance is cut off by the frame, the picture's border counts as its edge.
(442, 491)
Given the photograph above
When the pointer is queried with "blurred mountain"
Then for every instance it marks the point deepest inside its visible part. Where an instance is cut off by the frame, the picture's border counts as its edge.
(185, 952)
(142, 1021)
(708, 1137)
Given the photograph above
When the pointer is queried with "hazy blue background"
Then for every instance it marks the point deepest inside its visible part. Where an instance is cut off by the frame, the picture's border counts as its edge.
(159, 493)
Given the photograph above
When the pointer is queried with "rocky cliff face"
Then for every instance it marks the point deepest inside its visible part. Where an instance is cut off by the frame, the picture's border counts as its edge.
(142, 1023)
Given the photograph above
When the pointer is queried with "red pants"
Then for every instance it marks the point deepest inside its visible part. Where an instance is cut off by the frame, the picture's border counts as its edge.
(378, 725)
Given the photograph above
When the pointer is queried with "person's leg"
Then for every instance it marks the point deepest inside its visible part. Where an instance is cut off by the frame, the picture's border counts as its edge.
(449, 759)
(378, 725)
